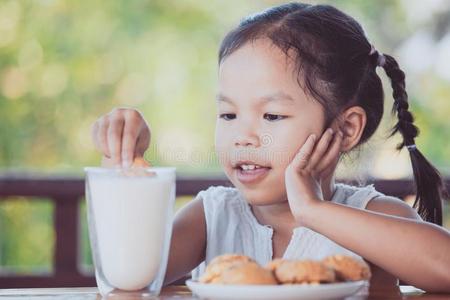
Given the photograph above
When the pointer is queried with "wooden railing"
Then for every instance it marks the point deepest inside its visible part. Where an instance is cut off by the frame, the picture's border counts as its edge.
(67, 192)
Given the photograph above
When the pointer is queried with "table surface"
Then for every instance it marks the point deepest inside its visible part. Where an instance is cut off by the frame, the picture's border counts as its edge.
(183, 293)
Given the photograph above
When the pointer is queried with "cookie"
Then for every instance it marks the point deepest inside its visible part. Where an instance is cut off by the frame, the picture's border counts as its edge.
(220, 264)
(348, 268)
(139, 168)
(273, 264)
(246, 273)
(301, 271)
(140, 162)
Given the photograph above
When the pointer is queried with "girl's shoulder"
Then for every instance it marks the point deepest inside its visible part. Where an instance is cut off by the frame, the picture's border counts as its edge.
(219, 192)
(358, 196)
(224, 209)
(219, 189)
(367, 197)
(220, 197)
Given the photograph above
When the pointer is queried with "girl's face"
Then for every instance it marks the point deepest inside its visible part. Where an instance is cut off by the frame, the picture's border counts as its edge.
(264, 117)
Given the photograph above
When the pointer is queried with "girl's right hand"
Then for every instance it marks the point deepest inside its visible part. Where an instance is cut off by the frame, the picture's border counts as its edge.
(121, 136)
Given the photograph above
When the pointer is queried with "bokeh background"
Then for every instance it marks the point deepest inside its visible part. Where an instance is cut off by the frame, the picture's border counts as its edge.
(65, 63)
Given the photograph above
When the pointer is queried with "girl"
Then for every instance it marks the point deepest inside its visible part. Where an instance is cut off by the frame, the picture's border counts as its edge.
(297, 90)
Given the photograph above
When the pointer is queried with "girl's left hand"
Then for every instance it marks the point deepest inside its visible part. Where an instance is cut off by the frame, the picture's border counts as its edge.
(313, 163)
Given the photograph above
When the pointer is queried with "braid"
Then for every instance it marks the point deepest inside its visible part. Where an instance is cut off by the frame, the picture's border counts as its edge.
(428, 182)
(405, 122)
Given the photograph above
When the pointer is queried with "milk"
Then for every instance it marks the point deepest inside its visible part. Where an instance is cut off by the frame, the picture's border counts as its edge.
(131, 217)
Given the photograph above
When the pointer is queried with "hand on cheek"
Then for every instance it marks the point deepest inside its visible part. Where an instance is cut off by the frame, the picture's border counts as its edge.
(314, 161)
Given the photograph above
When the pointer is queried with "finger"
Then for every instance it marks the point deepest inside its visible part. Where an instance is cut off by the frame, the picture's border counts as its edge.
(301, 159)
(94, 136)
(107, 162)
(142, 143)
(143, 137)
(103, 136)
(321, 148)
(332, 156)
(115, 139)
(129, 139)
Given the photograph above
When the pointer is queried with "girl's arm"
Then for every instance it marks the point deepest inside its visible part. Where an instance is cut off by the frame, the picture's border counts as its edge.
(416, 252)
(187, 246)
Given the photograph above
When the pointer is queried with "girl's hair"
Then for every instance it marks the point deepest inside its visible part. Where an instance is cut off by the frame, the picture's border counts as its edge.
(335, 64)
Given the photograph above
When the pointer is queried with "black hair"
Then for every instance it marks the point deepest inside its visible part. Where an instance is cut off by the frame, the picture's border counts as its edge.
(336, 64)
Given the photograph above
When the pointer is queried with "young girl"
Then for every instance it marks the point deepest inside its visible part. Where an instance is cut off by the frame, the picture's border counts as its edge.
(298, 88)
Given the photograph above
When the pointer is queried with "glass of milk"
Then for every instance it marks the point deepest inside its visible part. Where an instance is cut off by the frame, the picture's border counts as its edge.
(130, 214)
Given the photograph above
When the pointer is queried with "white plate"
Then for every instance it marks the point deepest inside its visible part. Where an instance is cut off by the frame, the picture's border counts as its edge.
(294, 291)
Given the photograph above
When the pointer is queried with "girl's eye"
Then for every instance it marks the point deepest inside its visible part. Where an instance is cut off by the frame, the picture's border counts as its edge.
(272, 117)
(227, 117)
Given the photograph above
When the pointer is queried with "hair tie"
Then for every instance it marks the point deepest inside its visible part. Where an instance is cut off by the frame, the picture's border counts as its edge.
(381, 60)
(411, 147)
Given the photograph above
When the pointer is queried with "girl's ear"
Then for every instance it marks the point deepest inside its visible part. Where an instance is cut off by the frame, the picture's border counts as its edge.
(352, 123)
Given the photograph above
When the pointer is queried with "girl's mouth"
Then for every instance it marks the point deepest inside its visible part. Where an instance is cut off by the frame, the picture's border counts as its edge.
(250, 173)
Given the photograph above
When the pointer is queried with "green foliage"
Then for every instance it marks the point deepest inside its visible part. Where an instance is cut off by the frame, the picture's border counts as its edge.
(26, 235)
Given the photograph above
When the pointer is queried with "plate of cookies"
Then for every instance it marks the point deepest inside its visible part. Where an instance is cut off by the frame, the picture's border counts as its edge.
(232, 276)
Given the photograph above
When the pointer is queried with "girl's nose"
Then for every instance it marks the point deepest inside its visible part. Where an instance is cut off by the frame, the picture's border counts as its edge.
(247, 132)
(247, 139)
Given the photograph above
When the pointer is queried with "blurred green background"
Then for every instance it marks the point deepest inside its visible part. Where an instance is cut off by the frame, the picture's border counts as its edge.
(65, 63)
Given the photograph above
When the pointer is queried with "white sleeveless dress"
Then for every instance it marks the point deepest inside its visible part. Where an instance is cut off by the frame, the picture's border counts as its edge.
(231, 227)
